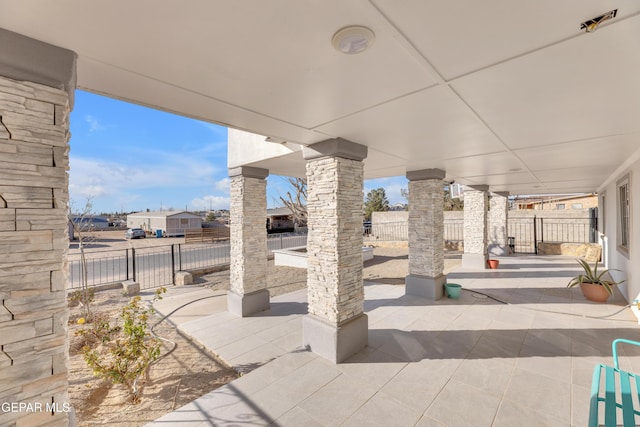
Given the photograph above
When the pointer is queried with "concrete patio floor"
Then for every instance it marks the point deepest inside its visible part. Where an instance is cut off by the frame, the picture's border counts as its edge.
(473, 361)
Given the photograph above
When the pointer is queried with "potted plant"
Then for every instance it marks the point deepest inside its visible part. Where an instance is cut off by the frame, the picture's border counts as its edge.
(592, 283)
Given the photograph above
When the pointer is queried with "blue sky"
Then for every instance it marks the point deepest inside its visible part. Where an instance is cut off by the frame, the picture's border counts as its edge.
(130, 158)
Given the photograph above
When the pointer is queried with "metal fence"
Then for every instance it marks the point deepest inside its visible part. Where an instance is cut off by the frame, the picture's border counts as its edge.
(156, 266)
(527, 233)
(390, 231)
(524, 233)
(399, 231)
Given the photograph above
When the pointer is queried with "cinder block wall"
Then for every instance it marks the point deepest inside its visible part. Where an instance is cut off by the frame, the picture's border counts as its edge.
(34, 134)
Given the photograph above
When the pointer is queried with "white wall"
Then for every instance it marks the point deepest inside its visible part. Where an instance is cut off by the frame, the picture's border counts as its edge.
(628, 265)
(245, 148)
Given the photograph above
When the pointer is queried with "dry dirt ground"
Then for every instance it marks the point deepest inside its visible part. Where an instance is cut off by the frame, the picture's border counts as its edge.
(188, 372)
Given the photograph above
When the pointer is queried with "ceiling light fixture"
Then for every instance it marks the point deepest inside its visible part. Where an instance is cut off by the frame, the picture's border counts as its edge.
(592, 24)
(353, 39)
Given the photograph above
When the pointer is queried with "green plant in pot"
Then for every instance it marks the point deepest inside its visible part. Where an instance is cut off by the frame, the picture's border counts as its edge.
(595, 285)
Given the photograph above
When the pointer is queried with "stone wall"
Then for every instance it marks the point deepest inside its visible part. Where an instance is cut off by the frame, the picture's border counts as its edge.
(389, 217)
(34, 123)
(498, 225)
(334, 205)
(475, 222)
(248, 234)
(426, 228)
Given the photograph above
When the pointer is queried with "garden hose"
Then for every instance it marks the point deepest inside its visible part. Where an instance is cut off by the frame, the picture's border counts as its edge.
(555, 312)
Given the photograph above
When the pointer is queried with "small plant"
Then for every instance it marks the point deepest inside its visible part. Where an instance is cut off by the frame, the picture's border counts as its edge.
(591, 275)
(122, 352)
(82, 297)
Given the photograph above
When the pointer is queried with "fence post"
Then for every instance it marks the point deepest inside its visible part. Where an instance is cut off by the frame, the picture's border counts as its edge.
(593, 225)
(535, 235)
(127, 262)
(542, 229)
(173, 262)
(180, 255)
(133, 262)
(281, 244)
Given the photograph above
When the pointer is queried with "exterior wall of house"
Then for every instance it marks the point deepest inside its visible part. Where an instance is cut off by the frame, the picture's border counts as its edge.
(609, 223)
(566, 204)
(245, 148)
(34, 123)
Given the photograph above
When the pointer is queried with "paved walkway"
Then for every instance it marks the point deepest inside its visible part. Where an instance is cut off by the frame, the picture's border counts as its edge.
(472, 361)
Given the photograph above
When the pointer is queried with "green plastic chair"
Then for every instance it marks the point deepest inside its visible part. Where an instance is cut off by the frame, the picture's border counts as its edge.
(615, 397)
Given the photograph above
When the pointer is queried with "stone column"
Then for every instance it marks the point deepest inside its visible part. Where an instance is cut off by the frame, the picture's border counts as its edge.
(248, 292)
(336, 326)
(426, 234)
(498, 224)
(37, 81)
(475, 227)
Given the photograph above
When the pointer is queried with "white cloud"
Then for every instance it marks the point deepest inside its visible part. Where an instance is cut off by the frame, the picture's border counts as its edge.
(210, 202)
(94, 125)
(223, 185)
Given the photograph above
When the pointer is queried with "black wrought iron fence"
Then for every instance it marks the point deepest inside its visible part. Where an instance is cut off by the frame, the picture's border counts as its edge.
(190, 257)
(391, 231)
(454, 230)
(101, 267)
(156, 266)
(527, 233)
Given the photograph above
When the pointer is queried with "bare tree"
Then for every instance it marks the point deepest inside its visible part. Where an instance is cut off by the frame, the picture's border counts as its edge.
(82, 230)
(297, 202)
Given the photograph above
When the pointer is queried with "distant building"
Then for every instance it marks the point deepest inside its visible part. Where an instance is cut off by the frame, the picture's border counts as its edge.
(172, 223)
(90, 222)
(280, 220)
(558, 202)
(86, 223)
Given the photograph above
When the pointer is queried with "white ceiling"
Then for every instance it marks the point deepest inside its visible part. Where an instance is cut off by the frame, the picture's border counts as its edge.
(513, 95)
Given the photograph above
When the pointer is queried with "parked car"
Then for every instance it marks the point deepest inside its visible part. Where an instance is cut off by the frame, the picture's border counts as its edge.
(135, 233)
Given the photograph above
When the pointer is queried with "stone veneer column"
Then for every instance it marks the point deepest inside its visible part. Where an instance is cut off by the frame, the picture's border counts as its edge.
(426, 234)
(37, 81)
(498, 224)
(336, 326)
(475, 227)
(248, 292)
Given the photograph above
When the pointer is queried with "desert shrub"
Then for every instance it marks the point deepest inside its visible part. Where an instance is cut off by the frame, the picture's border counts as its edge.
(122, 351)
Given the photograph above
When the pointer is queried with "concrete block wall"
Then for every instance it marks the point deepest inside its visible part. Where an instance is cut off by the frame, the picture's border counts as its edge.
(334, 205)
(34, 134)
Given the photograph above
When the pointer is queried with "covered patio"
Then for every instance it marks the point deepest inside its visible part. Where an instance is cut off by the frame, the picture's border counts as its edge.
(504, 99)
(524, 355)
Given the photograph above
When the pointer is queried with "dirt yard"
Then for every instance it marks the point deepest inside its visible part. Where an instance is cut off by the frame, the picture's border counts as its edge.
(188, 372)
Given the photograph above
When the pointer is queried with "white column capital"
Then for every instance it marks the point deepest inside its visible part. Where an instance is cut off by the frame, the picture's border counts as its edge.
(249, 172)
(335, 147)
(476, 188)
(421, 175)
(25, 59)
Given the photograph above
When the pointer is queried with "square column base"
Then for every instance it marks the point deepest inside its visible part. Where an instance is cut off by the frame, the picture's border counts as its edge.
(424, 286)
(499, 250)
(248, 304)
(335, 343)
(474, 261)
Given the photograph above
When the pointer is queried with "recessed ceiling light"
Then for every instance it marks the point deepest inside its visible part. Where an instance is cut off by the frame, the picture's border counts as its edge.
(353, 39)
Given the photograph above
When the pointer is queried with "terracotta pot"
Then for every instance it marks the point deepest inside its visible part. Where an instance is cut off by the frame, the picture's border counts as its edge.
(493, 263)
(594, 292)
